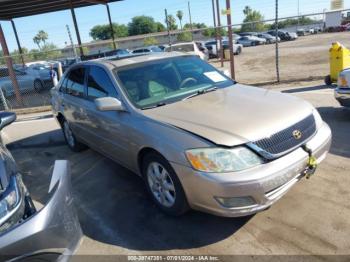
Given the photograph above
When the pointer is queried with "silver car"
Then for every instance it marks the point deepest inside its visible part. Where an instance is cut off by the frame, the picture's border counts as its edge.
(342, 91)
(28, 233)
(199, 139)
(26, 82)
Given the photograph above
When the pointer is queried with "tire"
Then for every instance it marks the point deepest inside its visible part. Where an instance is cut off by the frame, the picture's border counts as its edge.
(70, 138)
(38, 85)
(157, 173)
(328, 80)
(253, 44)
(239, 51)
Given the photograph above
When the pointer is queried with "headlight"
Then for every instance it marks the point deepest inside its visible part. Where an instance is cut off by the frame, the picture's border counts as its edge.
(10, 198)
(222, 160)
(318, 118)
(342, 82)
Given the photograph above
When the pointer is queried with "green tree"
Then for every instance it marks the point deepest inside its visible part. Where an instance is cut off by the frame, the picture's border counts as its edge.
(171, 22)
(253, 19)
(142, 25)
(150, 41)
(103, 32)
(48, 51)
(293, 22)
(184, 37)
(41, 36)
(180, 15)
(160, 27)
(210, 32)
(195, 26)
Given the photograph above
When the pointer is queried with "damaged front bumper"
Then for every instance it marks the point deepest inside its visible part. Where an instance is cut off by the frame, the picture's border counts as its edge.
(53, 233)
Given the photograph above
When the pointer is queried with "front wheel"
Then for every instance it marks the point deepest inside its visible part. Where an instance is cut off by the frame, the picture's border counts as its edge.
(163, 185)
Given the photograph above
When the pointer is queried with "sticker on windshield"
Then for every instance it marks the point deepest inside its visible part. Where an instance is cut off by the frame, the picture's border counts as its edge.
(215, 76)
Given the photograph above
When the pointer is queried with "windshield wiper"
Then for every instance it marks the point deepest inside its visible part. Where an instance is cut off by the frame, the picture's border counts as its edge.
(154, 106)
(201, 92)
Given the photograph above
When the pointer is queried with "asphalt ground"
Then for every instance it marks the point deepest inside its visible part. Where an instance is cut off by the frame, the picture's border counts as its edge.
(117, 216)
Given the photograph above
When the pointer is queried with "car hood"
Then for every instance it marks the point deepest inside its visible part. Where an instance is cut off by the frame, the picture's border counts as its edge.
(234, 115)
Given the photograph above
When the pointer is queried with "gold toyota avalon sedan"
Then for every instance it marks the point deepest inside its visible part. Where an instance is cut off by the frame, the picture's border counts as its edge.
(197, 138)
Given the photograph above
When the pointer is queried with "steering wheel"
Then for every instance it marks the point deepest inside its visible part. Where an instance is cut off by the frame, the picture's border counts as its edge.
(187, 80)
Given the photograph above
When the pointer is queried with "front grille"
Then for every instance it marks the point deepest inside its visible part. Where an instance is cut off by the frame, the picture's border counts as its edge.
(284, 141)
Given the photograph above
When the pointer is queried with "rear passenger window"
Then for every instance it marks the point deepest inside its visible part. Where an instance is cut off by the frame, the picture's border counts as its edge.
(75, 82)
(99, 84)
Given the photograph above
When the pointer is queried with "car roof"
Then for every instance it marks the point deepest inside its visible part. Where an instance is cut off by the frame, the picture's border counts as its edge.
(131, 60)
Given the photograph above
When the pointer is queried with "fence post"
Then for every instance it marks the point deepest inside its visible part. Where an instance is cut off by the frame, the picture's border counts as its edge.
(277, 51)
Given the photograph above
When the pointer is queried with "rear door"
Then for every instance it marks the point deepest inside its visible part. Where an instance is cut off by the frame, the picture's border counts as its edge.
(73, 92)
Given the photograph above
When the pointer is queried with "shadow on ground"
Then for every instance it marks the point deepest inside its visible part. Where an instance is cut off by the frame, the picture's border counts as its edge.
(338, 119)
(307, 89)
(112, 202)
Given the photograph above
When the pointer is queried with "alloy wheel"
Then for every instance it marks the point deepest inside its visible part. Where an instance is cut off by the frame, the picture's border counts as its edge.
(161, 184)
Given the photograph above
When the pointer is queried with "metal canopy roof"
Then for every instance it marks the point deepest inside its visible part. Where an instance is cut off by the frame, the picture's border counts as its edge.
(10, 9)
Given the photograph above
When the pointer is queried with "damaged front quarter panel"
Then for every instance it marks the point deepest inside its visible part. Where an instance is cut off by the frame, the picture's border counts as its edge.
(53, 233)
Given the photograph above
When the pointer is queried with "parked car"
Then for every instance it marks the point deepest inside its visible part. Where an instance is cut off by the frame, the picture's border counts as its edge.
(251, 41)
(28, 233)
(211, 46)
(147, 50)
(237, 48)
(26, 82)
(191, 48)
(248, 34)
(342, 91)
(284, 35)
(117, 53)
(301, 32)
(235, 38)
(199, 139)
(39, 71)
(269, 38)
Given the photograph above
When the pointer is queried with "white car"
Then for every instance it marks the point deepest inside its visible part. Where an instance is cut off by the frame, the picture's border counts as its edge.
(211, 46)
(191, 48)
(251, 41)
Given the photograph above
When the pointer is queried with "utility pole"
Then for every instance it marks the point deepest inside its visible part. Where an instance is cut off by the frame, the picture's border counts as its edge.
(298, 14)
(189, 14)
(215, 29)
(230, 38)
(277, 53)
(71, 41)
(167, 25)
(220, 37)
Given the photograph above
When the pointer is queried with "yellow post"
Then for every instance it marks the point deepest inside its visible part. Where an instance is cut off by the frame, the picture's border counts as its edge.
(339, 57)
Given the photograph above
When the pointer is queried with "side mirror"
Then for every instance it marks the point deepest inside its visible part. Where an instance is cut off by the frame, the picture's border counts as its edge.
(109, 104)
(7, 118)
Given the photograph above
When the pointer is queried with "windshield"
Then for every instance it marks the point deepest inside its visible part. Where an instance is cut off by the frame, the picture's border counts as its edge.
(169, 80)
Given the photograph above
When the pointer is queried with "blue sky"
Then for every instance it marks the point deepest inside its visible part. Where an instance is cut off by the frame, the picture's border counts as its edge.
(122, 12)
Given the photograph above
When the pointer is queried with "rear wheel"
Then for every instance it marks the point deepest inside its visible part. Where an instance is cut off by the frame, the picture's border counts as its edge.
(163, 185)
(38, 86)
(328, 80)
(70, 138)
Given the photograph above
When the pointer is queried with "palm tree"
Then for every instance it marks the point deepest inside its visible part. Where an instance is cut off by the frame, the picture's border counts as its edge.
(41, 36)
(37, 41)
(180, 15)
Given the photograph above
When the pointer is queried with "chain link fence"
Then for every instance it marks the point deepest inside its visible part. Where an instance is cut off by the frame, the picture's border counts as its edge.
(301, 58)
